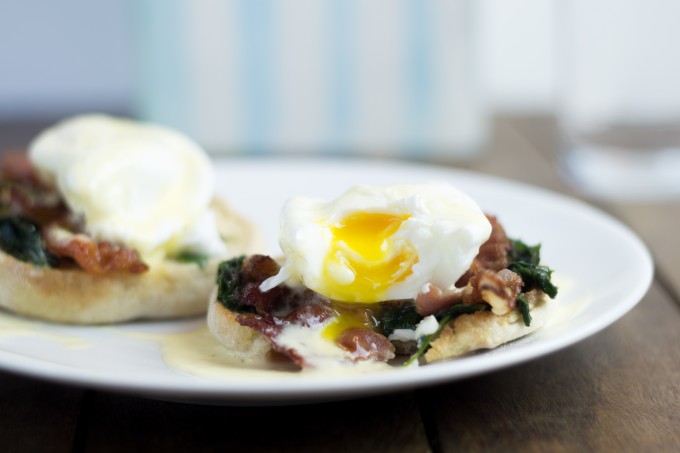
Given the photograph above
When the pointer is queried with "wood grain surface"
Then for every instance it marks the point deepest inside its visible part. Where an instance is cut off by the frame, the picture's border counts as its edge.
(618, 390)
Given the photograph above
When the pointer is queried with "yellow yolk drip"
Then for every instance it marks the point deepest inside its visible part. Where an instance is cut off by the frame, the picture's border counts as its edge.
(347, 318)
(365, 260)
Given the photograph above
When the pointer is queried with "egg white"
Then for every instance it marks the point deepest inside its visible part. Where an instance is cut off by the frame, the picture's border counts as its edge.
(138, 184)
(443, 226)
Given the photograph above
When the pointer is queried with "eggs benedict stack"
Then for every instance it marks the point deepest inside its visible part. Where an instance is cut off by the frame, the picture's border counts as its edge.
(379, 272)
(106, 219)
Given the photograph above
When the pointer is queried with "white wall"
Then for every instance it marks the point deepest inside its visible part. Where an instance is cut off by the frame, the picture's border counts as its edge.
(518, 52)
(59, 57)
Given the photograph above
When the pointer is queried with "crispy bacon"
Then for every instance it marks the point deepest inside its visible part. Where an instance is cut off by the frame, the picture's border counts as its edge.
(39, 205)
(498, 289)
(22, 192)
(258, 268)
(268, 326)
(279, 307)
(271, 326)
(283, 306)
(264, 303)
(309, 315)
(15, 166)
(364, 344)
(360, 343)
(487, 280)
(278, 301)
(493, 254)
(434, 299)
(93, 257)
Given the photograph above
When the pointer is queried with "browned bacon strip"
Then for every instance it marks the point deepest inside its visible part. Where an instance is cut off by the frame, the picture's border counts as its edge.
(493, 254)
(364, 344)
(22, 193)
(15, 166)
(278, 301)
(271, 326)
(283, 306)
(499, 289)
(279, 307)
(487, 280)
(93, 257)
(435, 299)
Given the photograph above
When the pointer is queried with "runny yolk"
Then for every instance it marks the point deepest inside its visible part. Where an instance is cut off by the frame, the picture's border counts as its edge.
(348, 317)
(365, 259)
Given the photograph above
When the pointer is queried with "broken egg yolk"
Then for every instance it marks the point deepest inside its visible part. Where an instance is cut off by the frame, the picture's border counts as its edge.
(366, 258)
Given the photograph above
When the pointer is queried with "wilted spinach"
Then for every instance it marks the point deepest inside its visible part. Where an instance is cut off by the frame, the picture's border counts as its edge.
(401, 316)
(191, 257)
(229, 282)
(524, 261)
(20, 238)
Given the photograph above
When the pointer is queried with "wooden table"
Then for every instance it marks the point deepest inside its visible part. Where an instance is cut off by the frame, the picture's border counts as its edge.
(617, 390)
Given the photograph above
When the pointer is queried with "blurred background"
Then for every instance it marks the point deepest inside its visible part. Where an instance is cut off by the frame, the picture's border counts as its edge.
(412, 78)
(406, 78)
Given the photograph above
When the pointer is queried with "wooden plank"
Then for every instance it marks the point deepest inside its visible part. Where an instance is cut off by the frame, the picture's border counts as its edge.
(617, 390)
(37, 415)
(386, 424)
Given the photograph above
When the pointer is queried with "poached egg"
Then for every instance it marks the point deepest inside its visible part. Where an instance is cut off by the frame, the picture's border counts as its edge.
(374, 244)
(142, 185)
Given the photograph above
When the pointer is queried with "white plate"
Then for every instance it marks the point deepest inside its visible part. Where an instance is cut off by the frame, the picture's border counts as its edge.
(602, 269)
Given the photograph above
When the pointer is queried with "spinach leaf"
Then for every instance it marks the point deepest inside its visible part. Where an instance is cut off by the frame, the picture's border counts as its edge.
(524, 261)
(229, 282)
(533, 274)
(444, 317)
(519, 251)
(20, 238)
(402, 316)
(523, 307)
(192, 257)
